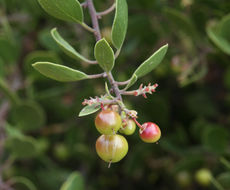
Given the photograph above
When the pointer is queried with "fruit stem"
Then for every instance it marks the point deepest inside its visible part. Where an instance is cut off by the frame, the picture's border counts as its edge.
(138, 124)
(102, 107)
(109, 164)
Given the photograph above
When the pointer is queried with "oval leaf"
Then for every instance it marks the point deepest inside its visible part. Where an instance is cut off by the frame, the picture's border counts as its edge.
(152, 62)
(24, 115)
(68, 10)
(120, 23)
(22, 147)
(224, 27)
(8, 51)
(24, 181)
(59, 72)
(38, 56)
(66, 47)
(182, 21)
(218, 40)
(74, 182)
(104, 55)
(87, 110)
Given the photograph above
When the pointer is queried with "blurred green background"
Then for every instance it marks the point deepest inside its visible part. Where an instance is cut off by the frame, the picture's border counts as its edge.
(46, 140)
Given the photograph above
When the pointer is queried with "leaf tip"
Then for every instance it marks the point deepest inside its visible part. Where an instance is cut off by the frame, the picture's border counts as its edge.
(103, 40)
(34, 64)
(53, 30)
(166, 46)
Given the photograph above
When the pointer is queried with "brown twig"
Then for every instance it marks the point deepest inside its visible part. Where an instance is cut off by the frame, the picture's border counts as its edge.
(93, 15)
(122, 83)
(3, 115)
(141, 90)
(97, 33)
(101, 75)
(107, 11)
(99, 100)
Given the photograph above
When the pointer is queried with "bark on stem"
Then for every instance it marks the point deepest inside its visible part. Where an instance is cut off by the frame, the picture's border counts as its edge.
(93, 15)
(122, 83)
(97, 75)
(97, 33)
(114, 86)
(107, 11)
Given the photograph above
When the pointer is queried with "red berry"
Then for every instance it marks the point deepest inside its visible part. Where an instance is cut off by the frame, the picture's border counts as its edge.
(128, 127)
(150, 132)
(108, 122)
(111, 148)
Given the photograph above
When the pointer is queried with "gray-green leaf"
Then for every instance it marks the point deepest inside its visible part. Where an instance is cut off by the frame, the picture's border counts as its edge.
(59, 72)
(22, 146)
(74, 182)
(132, 81)
(25, 182)
(224, 27)
(66, 47)
(104, 55)
(120, 23)
(217, 39)
(181, 20)
(152, 62)
(68, 10)
(24, 115)
(89, 109)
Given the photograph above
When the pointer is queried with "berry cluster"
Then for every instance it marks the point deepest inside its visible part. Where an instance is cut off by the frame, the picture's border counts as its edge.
(112, 147)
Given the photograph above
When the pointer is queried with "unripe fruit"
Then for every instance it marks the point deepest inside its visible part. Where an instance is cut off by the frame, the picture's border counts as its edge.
(184, 178)
(128, 127)
(150, 132)
(61, 152)
(108, 122)
(203, 177)
(111, 148)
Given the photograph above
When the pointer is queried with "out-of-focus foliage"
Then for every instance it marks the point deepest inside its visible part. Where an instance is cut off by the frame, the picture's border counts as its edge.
(47, 141)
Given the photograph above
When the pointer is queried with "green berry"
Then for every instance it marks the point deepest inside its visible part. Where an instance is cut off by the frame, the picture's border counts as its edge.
(203, 177)
(111, 148)
(108, 122)
(128, 127)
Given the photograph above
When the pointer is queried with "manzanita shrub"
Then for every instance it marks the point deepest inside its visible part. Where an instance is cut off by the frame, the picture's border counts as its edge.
(43, 145)
(114, 116)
